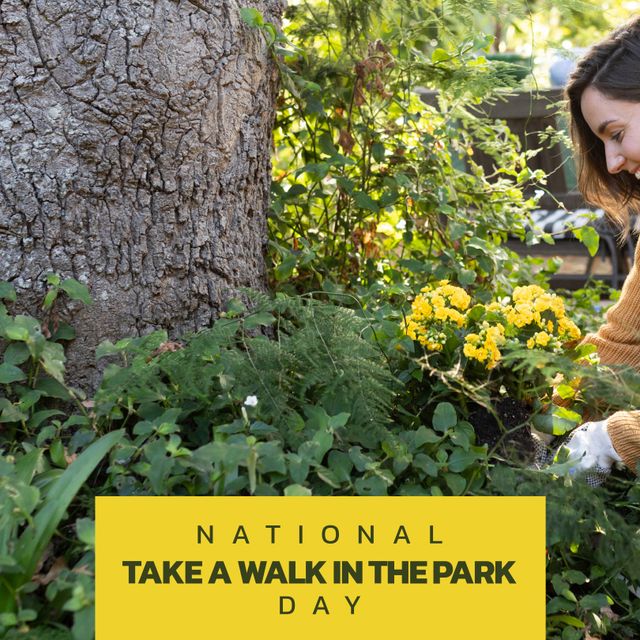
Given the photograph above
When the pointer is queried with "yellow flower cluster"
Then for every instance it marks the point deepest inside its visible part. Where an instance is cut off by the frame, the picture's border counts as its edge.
(533, 315)
(483, 346)
(441, 305)
(536, 308)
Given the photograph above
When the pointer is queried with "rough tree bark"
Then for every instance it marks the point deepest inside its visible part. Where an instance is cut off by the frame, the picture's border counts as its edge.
(134, 156)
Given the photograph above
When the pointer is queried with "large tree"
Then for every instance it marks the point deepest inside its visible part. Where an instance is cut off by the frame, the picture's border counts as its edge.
(134, 156)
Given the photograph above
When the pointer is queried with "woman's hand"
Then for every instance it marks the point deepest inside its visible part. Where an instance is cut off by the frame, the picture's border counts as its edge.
(591, 449)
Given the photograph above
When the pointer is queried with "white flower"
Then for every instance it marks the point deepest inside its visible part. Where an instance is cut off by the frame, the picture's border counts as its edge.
(402, 225)
(251, 401)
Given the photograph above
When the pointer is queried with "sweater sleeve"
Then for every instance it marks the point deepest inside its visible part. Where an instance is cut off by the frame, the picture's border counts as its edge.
(618, 340)
(624, 431)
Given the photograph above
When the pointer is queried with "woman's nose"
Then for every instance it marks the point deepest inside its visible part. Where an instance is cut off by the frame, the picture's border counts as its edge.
(615, 162)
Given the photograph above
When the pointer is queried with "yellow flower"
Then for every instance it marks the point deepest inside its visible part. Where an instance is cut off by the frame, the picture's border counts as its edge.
(566, 328)
(542, 338)
(495, 307)
(425, 341)
(441, 313)
(483, 347)
(412, 328)
(458, 297)
(421, 308)
(469, 350)
(526, 294)
(457, 317)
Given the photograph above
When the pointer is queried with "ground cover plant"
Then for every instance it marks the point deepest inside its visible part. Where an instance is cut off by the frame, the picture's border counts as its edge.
(403, 349)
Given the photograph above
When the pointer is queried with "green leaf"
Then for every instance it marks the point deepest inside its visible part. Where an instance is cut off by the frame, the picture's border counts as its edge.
(339, 420)
(589, 238)
(460, 460)
(64, 332)
(33, 541)
(427, 464)
(29, 399)
(10, 373)
(56, 451)
(298, 468)
(76, 290)
(595, 601)
(365, 201)
(423, 435)
(7, 292)
(8, 619)
(161, 466)
(440, 55)
(260, 319)
(49, 299)
(40, 416)
(558, 603)
(16, 332)
(463, 435)
(27, 464)
(372, 486)
(360, 460)
(466, 277)
(53, 359)
(562, 588)
(565, 391)
(107, 348)
(53, 389)
(341, 465)
(377, 151)
(12, 413)
(86, 530)
(455, 482)
(235, 307)
(444, 417)
(316, 448)
(574, 576)
(83, 624)
(326, 144)
(286, 267)
(297, 490)
(261, 428)
(317, 170)
(557, 422)
(251, 17)
(565, 619)
(345, 184)
(16, 353)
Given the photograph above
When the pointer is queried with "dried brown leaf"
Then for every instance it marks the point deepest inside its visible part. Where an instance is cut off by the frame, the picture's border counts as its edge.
(55, 570)
(346, 141)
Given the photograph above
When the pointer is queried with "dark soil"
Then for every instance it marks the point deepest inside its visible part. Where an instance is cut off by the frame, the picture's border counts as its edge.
(516, 442)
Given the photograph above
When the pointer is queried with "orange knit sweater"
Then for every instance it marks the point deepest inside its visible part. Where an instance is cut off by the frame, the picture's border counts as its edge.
(618, 342)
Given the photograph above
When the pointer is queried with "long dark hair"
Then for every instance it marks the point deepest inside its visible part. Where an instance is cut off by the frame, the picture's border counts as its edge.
(611, 66)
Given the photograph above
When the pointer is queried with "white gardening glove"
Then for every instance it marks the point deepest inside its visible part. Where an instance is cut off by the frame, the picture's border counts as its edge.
(591, 449)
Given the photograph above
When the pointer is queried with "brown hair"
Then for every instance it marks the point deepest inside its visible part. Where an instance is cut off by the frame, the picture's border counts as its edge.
(611, 66)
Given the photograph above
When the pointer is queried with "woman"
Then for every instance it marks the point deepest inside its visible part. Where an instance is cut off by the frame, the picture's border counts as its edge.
(604, 104)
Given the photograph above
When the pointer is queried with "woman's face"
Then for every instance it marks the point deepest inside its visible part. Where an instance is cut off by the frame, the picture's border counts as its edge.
(617, 124)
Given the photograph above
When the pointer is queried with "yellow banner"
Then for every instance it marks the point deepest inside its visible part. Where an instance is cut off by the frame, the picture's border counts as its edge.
(320, 567)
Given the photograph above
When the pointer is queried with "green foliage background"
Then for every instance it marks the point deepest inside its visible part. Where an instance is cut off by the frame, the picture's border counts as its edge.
(316, 390)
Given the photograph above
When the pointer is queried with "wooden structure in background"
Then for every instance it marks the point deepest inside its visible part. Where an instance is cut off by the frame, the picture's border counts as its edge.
(527, 115)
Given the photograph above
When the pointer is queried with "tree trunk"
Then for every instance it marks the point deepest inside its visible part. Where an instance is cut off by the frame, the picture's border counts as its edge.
(134, 156)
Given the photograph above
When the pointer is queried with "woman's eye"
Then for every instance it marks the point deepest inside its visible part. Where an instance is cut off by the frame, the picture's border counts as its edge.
(616, 137)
